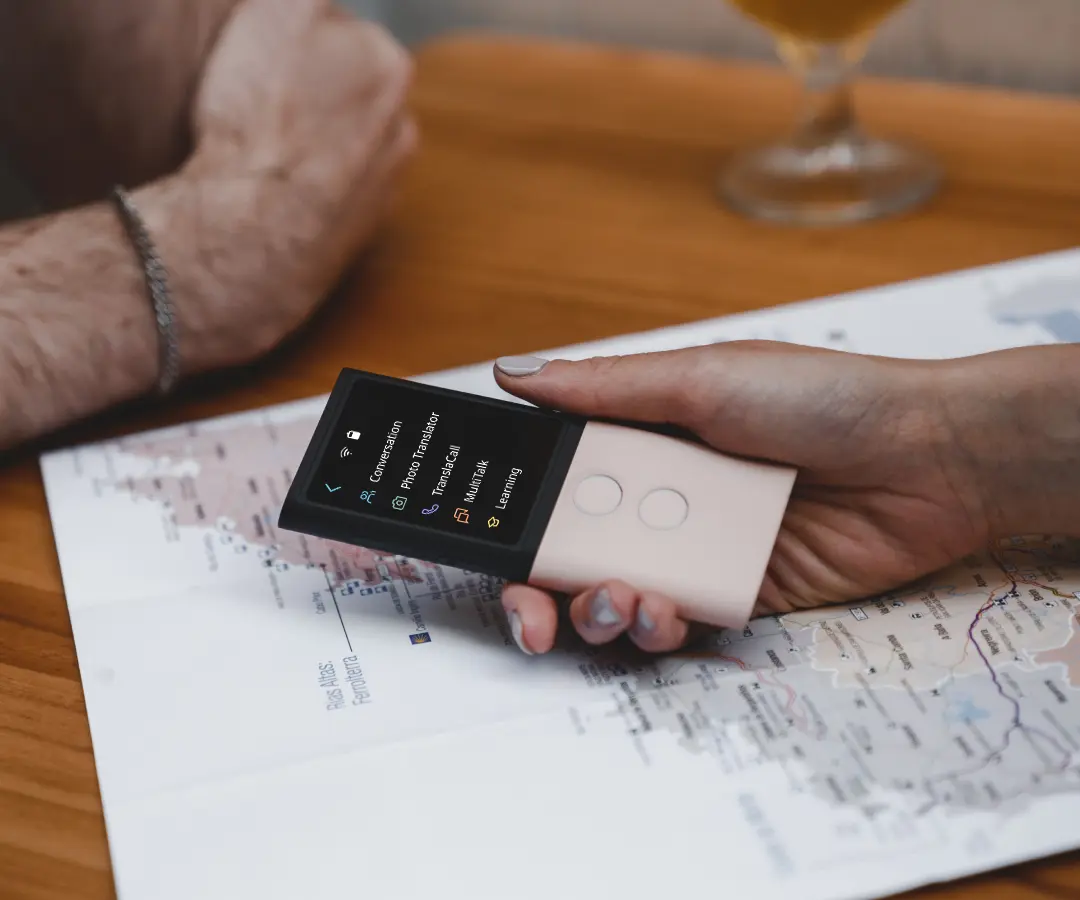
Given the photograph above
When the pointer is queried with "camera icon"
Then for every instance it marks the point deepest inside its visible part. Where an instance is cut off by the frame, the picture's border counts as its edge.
(399, 502)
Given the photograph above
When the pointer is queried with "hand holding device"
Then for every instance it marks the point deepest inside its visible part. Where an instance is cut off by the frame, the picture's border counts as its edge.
(897, 476)
(534, 495)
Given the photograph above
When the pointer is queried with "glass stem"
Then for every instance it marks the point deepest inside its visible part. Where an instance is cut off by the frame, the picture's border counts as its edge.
(827, 75)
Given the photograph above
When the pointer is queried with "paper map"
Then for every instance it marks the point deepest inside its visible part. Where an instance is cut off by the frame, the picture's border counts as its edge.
(281, 717)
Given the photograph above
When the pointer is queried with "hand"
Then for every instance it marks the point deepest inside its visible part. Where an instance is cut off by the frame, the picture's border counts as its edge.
(887, 491)
(301, 112)
(300, 132)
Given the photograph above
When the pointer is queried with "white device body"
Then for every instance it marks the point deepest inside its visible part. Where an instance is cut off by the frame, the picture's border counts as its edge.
(665, 515)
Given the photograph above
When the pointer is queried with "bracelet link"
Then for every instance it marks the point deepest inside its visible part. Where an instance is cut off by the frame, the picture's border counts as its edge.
(157, 283)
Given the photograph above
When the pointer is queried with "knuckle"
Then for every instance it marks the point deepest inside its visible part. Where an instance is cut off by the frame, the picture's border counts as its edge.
(600, 369)
(692, 394)
(390, 58)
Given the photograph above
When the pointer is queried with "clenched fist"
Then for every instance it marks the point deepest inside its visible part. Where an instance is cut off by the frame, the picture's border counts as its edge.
(301, 118)
(299, 133)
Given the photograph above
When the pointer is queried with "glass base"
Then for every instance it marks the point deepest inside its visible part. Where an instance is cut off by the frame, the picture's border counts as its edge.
(854, 180)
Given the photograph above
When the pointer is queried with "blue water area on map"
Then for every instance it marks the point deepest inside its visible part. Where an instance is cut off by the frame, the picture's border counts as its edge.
(962, 708)
(1064, 325)
(1051, 304)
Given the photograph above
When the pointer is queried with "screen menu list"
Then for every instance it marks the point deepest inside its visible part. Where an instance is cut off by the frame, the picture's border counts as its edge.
(440, 462)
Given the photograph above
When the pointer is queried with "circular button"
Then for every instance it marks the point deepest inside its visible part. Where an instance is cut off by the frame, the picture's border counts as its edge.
(598, 495)
(664, 509)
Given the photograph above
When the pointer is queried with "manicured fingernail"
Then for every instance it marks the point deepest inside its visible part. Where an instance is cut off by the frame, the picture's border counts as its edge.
(520, 365)
(644, 621)
(602, 612)
(518, 631)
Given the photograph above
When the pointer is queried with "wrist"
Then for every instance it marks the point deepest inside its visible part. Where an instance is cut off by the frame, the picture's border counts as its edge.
(1015, 421)
(76, 325)
(231, 268)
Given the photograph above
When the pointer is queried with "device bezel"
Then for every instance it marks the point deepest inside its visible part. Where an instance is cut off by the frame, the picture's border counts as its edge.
(509, 561)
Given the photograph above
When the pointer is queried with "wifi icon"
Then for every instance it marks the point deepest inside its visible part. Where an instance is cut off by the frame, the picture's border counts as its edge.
(345, 451)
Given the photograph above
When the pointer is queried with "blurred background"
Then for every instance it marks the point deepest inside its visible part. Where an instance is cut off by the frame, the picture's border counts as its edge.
(1023, 44)
(1027, 44)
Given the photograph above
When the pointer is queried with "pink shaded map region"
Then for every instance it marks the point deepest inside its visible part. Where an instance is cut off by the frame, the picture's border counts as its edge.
(236, 486)
(1067, 656)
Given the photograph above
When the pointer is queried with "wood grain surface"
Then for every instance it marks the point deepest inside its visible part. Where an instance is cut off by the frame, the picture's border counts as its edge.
(562, 194)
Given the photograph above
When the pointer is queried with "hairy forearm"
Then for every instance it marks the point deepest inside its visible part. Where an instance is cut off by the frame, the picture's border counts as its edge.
(77, 333)
(1016, 415)
(299, 136)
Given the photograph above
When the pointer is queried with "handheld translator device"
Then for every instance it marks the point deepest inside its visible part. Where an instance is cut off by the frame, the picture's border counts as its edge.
(538, 496)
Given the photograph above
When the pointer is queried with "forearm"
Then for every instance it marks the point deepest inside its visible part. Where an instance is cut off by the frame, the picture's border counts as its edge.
(1016, 415)
(77, 332)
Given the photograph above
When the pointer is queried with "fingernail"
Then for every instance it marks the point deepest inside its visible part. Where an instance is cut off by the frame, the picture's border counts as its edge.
(602, 612)
(518, 631)
(644, 621)
(520, 365)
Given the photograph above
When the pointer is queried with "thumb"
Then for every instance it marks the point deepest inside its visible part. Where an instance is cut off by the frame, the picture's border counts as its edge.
(658, 388)
(764, 400)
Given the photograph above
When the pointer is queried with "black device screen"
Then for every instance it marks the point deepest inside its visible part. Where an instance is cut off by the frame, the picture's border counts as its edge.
(436, 460)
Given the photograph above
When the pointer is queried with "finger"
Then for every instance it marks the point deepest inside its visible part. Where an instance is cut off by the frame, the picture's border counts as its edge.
(385, 171)
(374, 200)
(403, 140)
(377, 47)
(661, 387)
(758, 399)
(676, 386)
(532, 616)
(657, 627)
(393, 161)
(604, 613)
(394, 147)
(372, 73)
(408, 138)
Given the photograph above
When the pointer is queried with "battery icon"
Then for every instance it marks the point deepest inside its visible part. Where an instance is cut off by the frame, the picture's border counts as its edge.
(352, 435)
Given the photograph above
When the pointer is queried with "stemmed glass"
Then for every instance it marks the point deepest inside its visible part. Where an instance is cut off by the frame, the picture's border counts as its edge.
(828, 171)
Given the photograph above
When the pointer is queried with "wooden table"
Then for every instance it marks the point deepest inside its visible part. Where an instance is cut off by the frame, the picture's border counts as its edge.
(562, 194)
